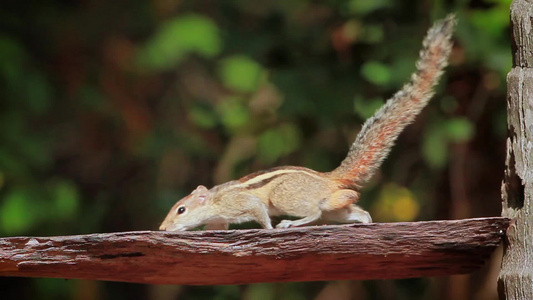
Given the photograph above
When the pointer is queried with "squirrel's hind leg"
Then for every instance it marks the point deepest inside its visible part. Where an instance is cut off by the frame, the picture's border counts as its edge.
(338, 200)
(300, 222)
(349, 214)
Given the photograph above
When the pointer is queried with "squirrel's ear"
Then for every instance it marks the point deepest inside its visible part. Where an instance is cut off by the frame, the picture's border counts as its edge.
(201, 193)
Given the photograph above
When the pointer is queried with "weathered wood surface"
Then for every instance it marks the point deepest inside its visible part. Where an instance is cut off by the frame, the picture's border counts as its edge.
(356, 251)
(516, 276)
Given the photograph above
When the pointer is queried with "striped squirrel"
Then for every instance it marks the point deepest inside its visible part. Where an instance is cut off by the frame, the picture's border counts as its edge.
(311, 195)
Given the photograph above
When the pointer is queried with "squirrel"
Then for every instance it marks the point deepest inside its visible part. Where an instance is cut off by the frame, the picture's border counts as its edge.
(312, 195)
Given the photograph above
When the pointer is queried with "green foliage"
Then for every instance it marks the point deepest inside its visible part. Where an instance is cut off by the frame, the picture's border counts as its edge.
(488, 47)
(65, 199)
(18, 212)
(372, 33)
(178, 37)
(202, 117)
(52, 288)
(435, 148)
(262, 291)
(440, 134)
(26, 207)
(240, 73)
(233, 114)
(459, 129)
(27, 95)
(376, 72)
(366, 108)
(226, 292)
(271, 291)
(493, 21)
(366, 7)
(277, 142)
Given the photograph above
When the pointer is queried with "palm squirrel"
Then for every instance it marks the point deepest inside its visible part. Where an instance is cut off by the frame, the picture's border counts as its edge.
(311, 195)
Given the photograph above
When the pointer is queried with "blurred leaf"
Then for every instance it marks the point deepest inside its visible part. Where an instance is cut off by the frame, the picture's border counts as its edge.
(25, 83)
(459, 129)
(91, 98)
(260, 291)
(178, 37)
(448, 104)
(188, 140)
(34, 151)
(405, 208)
(55, 288)
(271, 146)
(395, 203)
(234, 113)
(366, 108)
(501, 60)
(376, 72)
(277, 142)
(14, 124)
(17, 211)
(12, 166)
(12, 56)
(486, 40)
(435, 147)
(499, 124)
(493, 21)
(372, 33)
(65, 198)
(240, 73)
(366, 7)
(38, 93)
(202, 117)
(502, 3)
(226, 292)
(351, 30)
(401, 69)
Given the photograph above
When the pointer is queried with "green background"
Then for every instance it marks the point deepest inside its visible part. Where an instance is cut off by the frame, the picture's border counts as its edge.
(110, 111)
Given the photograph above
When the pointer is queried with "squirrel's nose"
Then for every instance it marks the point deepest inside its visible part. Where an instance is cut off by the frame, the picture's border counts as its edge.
(162, 227)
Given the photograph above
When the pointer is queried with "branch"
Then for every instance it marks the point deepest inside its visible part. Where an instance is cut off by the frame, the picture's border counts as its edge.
(356, 251)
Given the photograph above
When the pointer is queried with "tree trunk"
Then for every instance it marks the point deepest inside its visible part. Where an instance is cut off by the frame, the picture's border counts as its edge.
(516, 276)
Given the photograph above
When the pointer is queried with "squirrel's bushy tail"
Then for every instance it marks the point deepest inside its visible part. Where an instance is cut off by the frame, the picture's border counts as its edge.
(379, 132)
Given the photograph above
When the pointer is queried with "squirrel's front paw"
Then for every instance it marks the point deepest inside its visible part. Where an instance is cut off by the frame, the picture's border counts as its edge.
(284, 224)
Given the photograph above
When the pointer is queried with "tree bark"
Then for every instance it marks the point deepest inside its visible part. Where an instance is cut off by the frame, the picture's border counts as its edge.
(356, 251)
(516, 276)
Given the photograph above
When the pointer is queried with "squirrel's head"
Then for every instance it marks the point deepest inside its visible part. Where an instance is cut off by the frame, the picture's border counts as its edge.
(189, 212)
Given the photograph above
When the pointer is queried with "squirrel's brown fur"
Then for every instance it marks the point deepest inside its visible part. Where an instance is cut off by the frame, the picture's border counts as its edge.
(379, 132)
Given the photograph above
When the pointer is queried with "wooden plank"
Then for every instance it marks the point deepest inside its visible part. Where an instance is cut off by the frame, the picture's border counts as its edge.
(356, 251)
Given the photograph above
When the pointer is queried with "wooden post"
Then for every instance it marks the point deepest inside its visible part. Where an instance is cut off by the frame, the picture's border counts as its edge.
(516, 276)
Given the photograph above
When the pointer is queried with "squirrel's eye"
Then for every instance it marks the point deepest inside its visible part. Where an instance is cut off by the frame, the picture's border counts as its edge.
(181, 210)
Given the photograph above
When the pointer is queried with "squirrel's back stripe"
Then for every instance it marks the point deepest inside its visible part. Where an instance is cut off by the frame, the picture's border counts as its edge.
(379, 132)
(265, 174)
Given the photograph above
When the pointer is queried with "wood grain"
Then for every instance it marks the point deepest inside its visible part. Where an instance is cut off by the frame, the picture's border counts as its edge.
(356, 251)
(516, 276)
